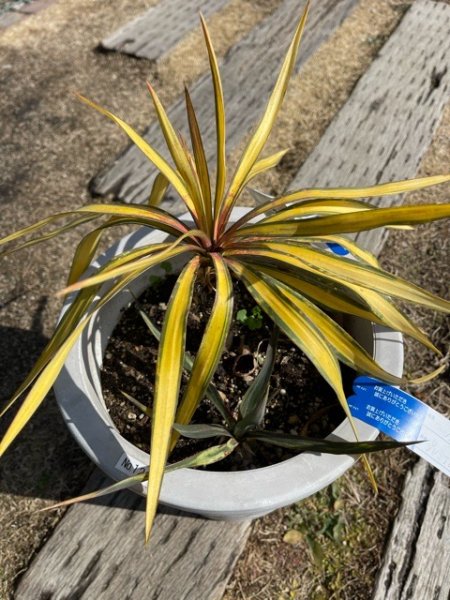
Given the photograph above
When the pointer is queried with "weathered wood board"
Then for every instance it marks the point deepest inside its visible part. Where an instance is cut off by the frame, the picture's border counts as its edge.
(98, 551)
(249, 71)
(416, 562)
(383, 131)
(160, 28)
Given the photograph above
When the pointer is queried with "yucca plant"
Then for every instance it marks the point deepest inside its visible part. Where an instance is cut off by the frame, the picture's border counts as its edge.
(278, 252)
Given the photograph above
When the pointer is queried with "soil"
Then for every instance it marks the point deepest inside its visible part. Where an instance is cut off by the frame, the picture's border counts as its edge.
(300, 401)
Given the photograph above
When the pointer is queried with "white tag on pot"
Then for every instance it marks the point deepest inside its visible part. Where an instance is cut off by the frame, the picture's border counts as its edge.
(129, 466)
(404, 418)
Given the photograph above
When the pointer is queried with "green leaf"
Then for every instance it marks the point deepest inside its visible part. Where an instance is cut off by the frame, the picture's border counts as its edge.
(253, 406)
(305, 444)
(206, 457)
(201, 432)
(144, 409)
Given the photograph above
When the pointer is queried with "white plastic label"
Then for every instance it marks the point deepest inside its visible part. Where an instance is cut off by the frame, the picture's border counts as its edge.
(128, 466)
(404, 418)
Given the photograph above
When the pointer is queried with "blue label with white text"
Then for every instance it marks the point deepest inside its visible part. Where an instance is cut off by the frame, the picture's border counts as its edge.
(387, 408)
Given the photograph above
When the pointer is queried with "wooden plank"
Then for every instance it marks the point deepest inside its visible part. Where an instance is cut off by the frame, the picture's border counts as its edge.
(416, 561)
(383, 131)
(97, 551)
(160, 28)
(249, 72)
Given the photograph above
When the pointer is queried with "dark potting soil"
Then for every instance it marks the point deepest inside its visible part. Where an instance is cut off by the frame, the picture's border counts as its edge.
(300, 401)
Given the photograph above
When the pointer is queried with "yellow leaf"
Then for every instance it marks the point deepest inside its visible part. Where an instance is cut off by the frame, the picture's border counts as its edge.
(167, 386)
(221, 169)
(159, 188)
(211, 346)
(150, 153)
(382, 189)
(200, 160)
(259, 138)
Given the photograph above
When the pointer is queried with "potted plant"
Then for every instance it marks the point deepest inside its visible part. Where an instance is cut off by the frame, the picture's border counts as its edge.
(278, 252)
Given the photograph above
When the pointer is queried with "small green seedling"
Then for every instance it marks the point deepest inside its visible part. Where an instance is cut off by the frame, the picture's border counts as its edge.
(254, 320)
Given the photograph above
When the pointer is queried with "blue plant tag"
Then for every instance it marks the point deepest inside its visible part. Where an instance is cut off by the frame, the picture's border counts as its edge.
(337, 249)
(404, 418)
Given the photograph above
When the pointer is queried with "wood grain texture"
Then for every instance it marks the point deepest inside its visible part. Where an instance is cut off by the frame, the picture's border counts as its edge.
(160, 28)
(249, 71)
(416, 561)
(383, 131)
(97, 551)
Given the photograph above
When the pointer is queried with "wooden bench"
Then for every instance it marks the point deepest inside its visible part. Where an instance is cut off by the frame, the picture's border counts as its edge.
(97, 549)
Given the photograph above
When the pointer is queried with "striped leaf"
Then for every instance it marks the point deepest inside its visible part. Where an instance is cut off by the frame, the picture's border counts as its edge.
(304, 444)
(48, 236)
(264, 164)
(200, 160)
(318, 207)
(63, 330)
(221, 165)
(260, 136)
(382, 189)
(373, 307)
(44, 380)
(298, 328)
(169, 368)
(146, 215)
(188, 362)
(129, 264)
(350, 223)
(151, 154)
(42, 223)
(179, 156)
(346, 349)
(159, 188)
(327, 266)
(211, 346)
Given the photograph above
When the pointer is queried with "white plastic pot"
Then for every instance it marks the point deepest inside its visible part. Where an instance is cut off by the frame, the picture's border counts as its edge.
(217, 495)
